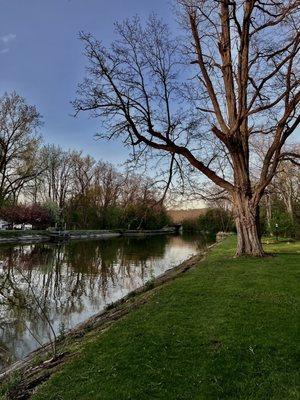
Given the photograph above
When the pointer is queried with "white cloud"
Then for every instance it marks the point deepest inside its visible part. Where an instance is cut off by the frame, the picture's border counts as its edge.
(8, 38)
(4, 40)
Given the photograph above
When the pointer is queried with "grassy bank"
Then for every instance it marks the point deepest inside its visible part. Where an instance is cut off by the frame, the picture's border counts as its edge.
(225, 330)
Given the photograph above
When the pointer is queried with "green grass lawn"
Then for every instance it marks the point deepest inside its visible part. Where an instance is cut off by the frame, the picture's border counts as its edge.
(228, 329)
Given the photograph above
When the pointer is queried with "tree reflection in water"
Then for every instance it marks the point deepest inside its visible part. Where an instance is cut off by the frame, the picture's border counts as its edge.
(44, 287)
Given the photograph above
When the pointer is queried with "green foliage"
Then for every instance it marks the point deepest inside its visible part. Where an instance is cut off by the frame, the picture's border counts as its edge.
(286, 226)
(110, 217)
(37, 360)
(8, 386)
(213, 221)
(191, 225)
(216, 220)
(225, 330)
(139, 216)
(54, 213)
(84, 213)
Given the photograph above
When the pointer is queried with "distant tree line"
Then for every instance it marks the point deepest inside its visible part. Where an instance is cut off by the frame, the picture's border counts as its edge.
(279, 210)
(213, 221)
(44, 185)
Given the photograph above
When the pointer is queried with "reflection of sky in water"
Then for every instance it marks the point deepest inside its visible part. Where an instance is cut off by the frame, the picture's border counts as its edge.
(72, 282)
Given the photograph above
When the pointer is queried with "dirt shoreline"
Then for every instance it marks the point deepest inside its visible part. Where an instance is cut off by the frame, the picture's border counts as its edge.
(31, 373)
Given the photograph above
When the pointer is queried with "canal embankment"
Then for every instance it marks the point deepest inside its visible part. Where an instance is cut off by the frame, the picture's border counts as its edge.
(52, 235)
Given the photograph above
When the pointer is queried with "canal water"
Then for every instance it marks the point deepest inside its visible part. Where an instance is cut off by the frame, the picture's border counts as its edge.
(49, 287)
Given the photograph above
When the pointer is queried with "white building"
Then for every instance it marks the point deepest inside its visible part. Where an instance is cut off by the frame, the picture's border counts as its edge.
(23, 227)
(3, 224)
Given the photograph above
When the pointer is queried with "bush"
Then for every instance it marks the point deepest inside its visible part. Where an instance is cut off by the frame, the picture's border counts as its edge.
(54, 212)
(213, 221)
(34, 214)
(144, 217)
(287, 226)
(84, 213)
(282, 223)
(191, 225)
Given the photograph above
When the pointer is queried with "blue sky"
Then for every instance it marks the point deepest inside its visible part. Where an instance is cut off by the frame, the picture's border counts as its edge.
(41, 58)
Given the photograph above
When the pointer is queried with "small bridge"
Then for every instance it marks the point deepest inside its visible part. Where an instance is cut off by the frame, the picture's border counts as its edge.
(177, 227)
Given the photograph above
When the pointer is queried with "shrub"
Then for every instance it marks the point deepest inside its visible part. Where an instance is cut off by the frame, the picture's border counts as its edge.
(213, 221)
(54, 212)
(191, 225)
(139, 216)
(84, 213)
(34, 214)
(282, 223)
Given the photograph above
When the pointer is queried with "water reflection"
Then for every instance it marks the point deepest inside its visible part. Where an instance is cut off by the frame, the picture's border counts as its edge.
(49, 288)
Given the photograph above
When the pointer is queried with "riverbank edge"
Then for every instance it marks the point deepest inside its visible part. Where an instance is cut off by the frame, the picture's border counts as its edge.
(24, 376)
(46, 236)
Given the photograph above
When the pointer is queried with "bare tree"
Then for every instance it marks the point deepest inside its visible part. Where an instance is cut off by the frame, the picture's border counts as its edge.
(109, 182)
(241, 80)
(138, 189)
(18, 145)
(84, 169)
(57, 179)
(285, 185)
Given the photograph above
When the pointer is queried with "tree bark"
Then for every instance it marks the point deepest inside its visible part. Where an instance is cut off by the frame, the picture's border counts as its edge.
(268, 204)
(247, 226)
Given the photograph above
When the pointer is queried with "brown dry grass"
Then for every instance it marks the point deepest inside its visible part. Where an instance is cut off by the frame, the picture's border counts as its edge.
(178, 216)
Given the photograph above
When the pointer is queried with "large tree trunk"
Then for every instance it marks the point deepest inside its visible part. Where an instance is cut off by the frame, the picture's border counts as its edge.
(247, 226)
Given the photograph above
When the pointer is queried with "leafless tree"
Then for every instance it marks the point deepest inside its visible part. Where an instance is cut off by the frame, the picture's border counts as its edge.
(84, 169)
(138, 189)
(18, 145)
(285, 185)
(57, 177)
(241, 80)
(109, 182)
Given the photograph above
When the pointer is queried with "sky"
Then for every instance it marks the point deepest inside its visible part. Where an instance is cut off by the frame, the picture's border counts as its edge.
(41, 59)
